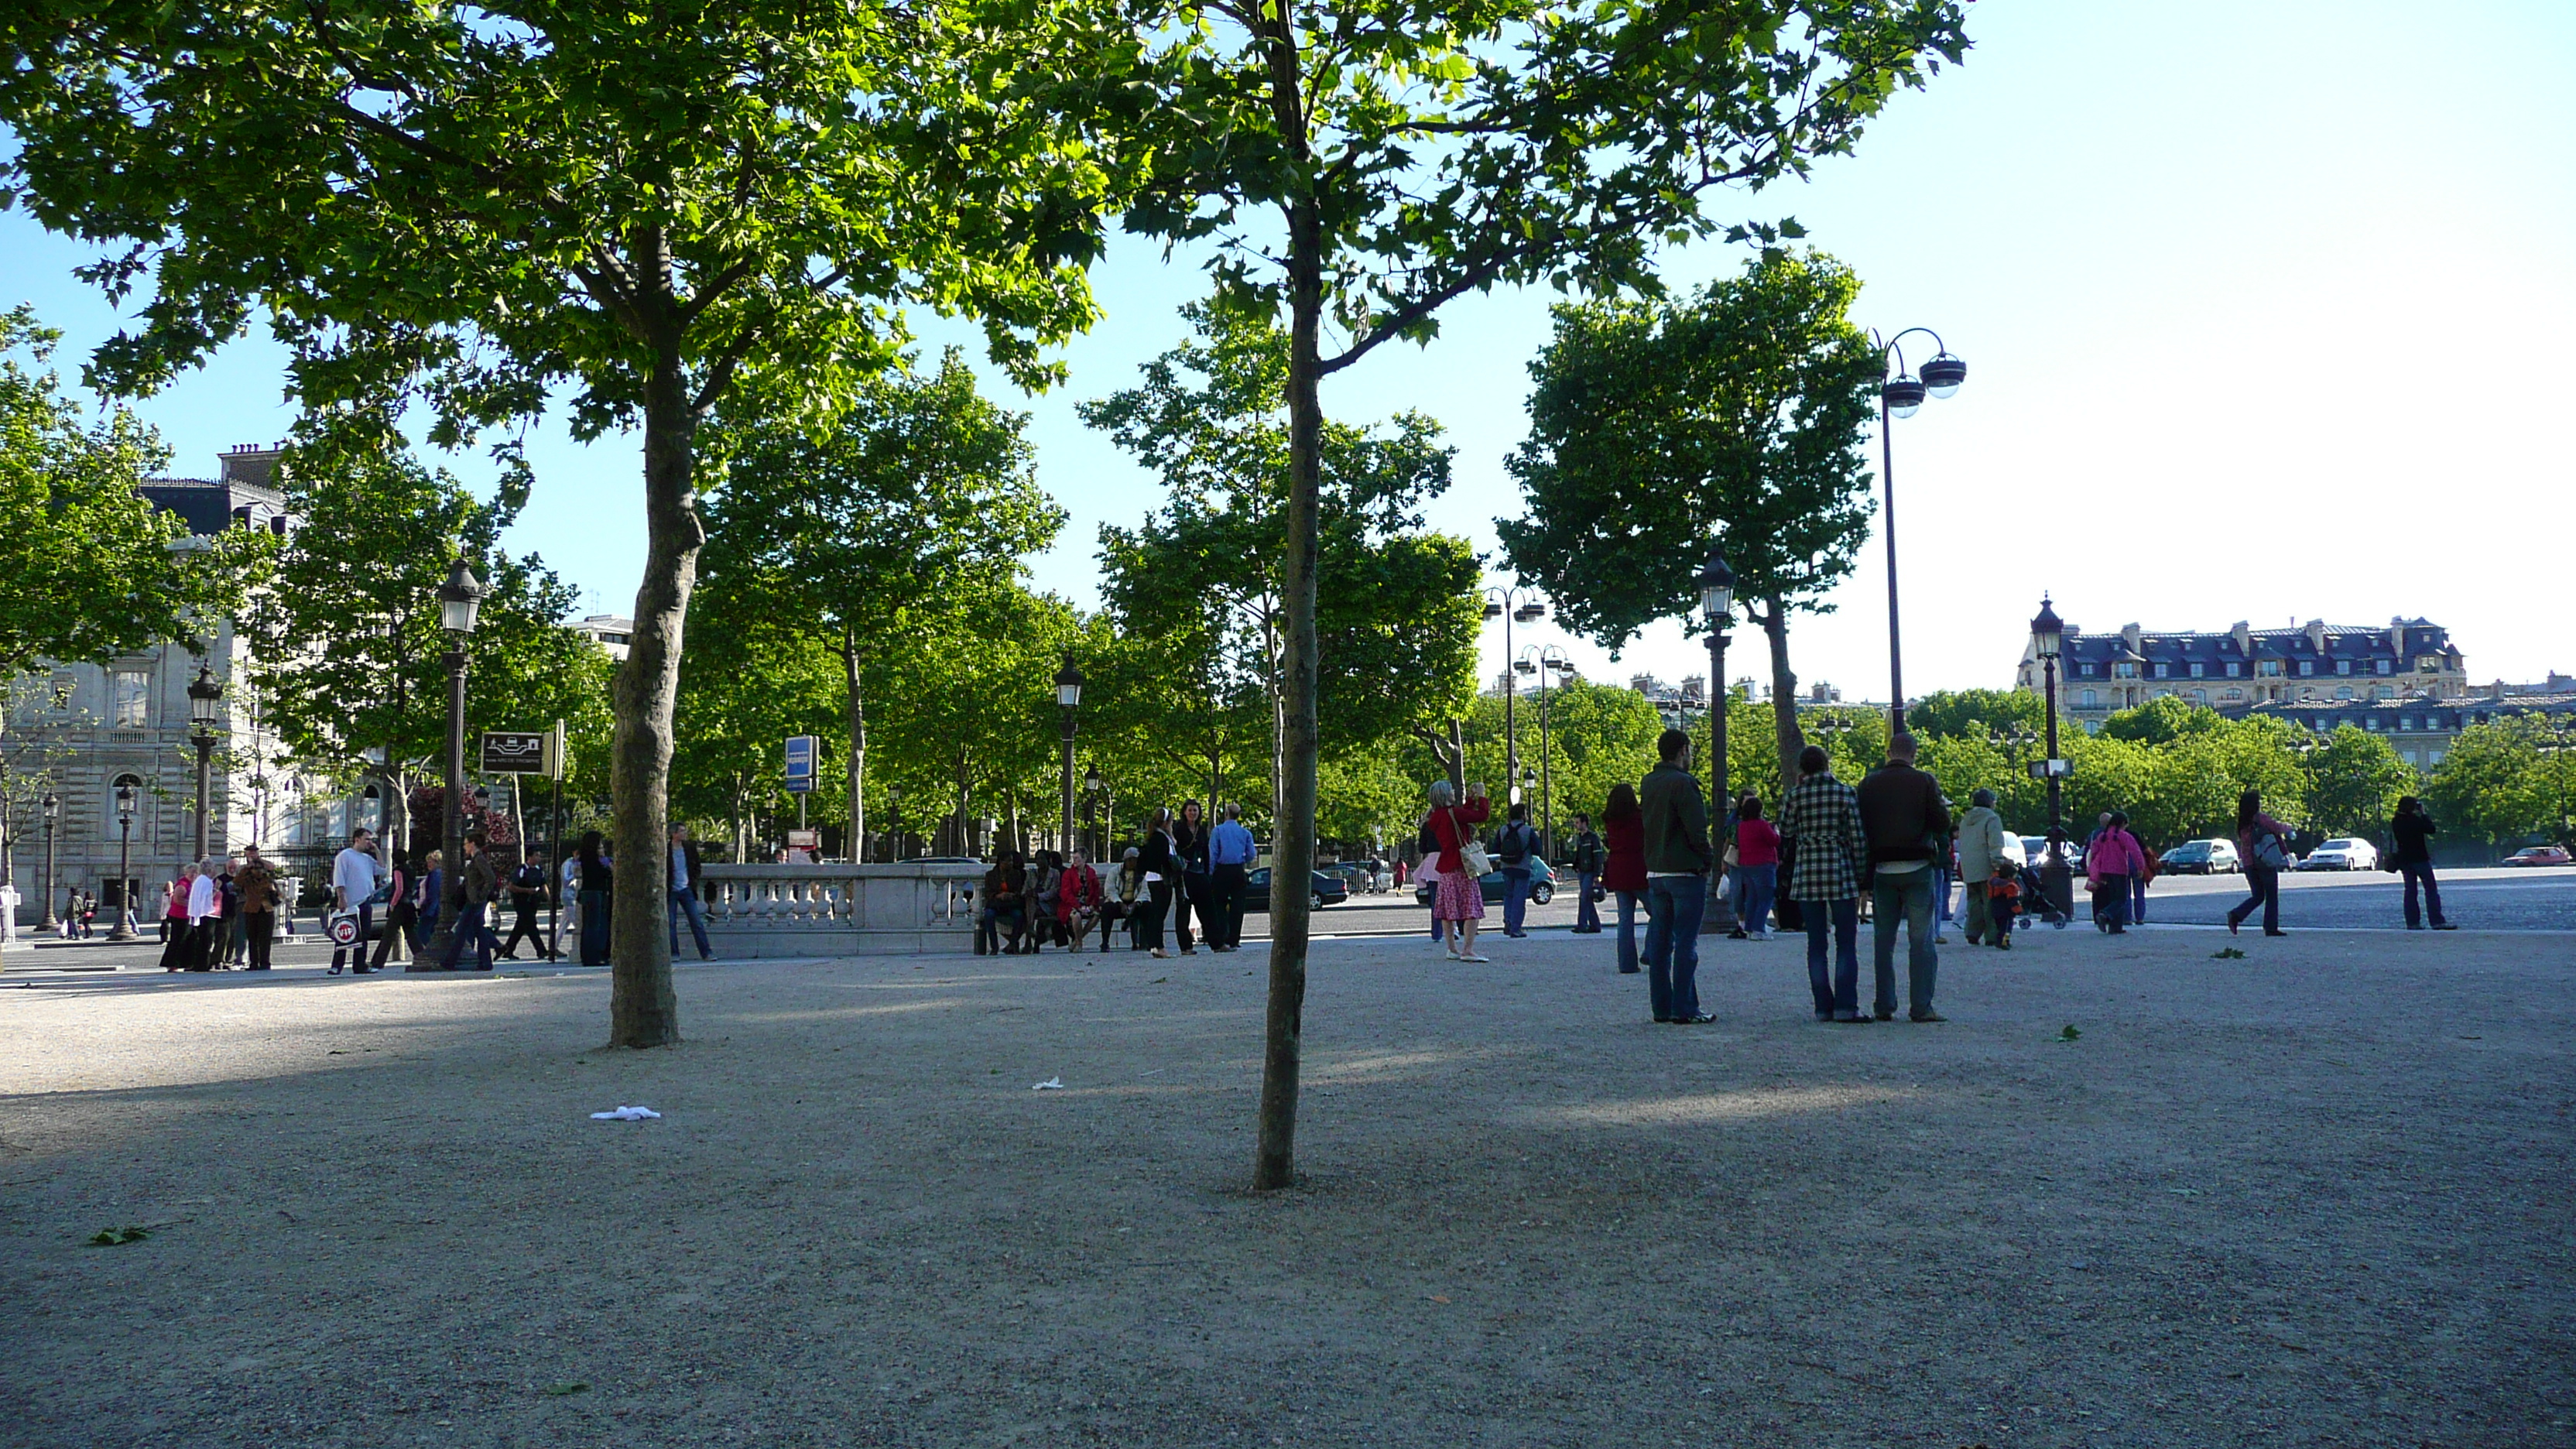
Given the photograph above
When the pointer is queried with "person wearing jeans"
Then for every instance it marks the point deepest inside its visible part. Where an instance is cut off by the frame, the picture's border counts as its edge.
(2263, 843)
(1757, 869)
(684, 894)
(2411, 834)
(1512, 853)
(1820, 822)
(1907, 824)
(1673, 821)
(1587, 877)
(1623, 867)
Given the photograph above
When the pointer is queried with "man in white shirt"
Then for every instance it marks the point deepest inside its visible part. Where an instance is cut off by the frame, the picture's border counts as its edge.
(684, 894)
(354, 873)
(205, 914)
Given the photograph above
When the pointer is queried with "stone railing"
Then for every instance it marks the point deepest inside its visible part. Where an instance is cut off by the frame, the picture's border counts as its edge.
(840, 910)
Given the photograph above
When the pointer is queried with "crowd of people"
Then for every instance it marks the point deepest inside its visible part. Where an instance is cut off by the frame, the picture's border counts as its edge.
(1183, 867)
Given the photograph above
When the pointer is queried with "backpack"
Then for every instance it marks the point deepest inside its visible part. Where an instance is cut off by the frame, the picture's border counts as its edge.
(1512, 846)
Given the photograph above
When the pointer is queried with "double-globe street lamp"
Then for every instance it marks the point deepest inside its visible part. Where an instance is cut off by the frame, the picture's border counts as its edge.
(1549, 664)
(1068, 696)
(1511, 606)
(1900, 396)
(2048, 642)
(459, 600)
(205, 709)
(1717, 609)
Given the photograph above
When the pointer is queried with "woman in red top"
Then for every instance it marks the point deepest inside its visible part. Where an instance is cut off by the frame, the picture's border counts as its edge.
(1460, 897)
(1077, 902)
(1623, 835)
(1757, 868)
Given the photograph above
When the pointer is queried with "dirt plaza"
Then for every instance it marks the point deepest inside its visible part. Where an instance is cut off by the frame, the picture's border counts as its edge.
(2315, 1195)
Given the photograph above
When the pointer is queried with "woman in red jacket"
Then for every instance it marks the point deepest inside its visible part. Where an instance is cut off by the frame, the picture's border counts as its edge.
(1623, 834)
(1460, 897)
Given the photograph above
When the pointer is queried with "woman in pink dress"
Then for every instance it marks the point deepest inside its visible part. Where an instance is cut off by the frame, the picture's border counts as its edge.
(1459, 898)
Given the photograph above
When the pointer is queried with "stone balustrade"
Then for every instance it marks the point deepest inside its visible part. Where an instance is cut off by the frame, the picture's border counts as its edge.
(840, 910)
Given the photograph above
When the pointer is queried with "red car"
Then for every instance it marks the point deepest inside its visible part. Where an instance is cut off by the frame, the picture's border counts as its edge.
(2537, 855)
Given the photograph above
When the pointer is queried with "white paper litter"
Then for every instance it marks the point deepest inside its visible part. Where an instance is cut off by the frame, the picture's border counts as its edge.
(1051, 1084)
(627, 1114)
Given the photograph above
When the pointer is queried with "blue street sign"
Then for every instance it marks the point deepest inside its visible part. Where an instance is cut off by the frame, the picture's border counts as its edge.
(801, 754)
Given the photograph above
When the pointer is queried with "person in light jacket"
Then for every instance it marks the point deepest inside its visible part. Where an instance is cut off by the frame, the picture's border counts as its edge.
(1981, 854)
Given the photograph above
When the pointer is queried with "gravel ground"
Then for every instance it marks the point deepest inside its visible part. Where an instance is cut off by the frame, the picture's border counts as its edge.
(2318, 1195)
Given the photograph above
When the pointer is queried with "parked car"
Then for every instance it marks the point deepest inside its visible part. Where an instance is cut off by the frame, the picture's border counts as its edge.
(2201, 857)
(2034, 850)
(1361, 879)
(1542, 885)
(2342, 853)
(1324, 890)
(2538, 855)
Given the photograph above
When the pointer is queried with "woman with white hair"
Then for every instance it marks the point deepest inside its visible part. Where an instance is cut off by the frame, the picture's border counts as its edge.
(1459, 898)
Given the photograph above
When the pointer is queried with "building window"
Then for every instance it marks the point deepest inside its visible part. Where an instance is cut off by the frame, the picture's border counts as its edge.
(2387, 666)
(2092, 698)
(2343, 666)
(2306, 692)
(2200, 696)
(133, 696)
(2428, 664)
(2432, 757)
(2197, 668)
(2268, 668)
(2164, 671)
(2233, 694)
(2124, 670)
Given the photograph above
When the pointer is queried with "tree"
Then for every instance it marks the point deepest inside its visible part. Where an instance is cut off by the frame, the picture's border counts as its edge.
(345, 646)
(1658, 430)
(89, 569)
(747, 684)
(650, 212)
(923, 486)
(1396, 608)
(2354, 782)
(2510, 780)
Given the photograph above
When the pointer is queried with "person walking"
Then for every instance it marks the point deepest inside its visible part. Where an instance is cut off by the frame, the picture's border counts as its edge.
(684, 894)
(231, 947)
(1673, 817)
(1980, 850)
(527, 887)
(1161, 867)
(174, 919)
(2263, 844)
(354, 875)
(428, 901)
(256, 883)
(1230, 850)
(205, 917)
(1588, 860)
(2411, 835)
(598, 877)
(1458, 900)
(1193, 889)
(399, 914)
(1820, 824)
(1907, 825)
(1757, 869)
(2138, 882)
(478, 885)
(1513, 846)
(2113, 860)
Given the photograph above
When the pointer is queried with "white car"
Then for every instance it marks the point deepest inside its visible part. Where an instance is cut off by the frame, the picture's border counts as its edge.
(2346, 853)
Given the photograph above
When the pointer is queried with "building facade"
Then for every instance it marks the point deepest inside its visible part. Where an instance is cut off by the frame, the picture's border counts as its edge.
(2235, 670)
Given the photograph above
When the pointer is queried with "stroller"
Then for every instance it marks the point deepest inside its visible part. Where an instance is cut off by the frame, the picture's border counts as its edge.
(2018, 896)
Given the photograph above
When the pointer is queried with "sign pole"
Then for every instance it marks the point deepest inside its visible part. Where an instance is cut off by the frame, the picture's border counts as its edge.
(554, 857)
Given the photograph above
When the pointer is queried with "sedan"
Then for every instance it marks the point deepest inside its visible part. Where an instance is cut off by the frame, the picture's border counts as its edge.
(2201, 857)
(1323, 890)
(2345, 853)
(1542, 886)
(2538, 855)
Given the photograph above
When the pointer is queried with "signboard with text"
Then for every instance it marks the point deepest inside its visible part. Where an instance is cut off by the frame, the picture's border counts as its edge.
(518, 752)
(801, 754)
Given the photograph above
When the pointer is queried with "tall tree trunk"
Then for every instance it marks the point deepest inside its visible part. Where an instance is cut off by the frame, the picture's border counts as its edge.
(1784, 690)
(1293, 827)
(858, 747)
(644, 1010)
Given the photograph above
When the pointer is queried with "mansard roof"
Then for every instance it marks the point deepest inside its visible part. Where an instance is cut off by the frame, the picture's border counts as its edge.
(2342, 641)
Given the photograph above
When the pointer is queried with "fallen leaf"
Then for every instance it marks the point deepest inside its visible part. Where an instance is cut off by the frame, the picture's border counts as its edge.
(561, 1390)
(118, 1237)
(1436, 1298)
(2069, 1034)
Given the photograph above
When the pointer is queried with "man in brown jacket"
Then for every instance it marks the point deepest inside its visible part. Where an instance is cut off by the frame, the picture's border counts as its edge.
(1908, 827)
(475, 887)
(257, 882)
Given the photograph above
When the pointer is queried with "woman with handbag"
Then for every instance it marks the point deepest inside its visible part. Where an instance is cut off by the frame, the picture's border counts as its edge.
(1197, 881)
(2263, 843)
(1459, 899)
(1623, 873)
(1162, 869)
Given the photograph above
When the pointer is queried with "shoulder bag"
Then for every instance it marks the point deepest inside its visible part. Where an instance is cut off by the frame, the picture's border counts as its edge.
(1471, 851)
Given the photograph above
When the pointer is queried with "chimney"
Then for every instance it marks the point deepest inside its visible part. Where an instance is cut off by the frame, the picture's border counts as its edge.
(2495, 691)
(2243, 634)
(2317, 635)
(2130, 634)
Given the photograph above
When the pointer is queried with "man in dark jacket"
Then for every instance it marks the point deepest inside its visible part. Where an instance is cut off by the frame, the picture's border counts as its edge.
(1908, 829)
(1674, 816)
(527, 897)
(1589, 857)
(472, 895)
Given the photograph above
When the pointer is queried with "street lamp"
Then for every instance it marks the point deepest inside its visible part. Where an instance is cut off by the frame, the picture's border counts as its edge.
(1092, 785)
(1545, 661)
(459, 599)
(1511, 607)
(123, 930)
(2048, 642)
(205, 708)
(1717, 609)
(1068, 696)
(1899, 396)
(53, 812)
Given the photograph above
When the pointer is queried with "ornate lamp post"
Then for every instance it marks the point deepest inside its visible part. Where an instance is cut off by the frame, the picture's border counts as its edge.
(1092, 785)
(205, 710)
(1717, 608)
(1900, 396)
(2048, 642)
(1510, 607)
(1068, 697)
(123, 930)
(459, 599)
(53, 813)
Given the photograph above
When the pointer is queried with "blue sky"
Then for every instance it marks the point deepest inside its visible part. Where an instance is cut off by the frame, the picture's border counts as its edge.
(2264, 307)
